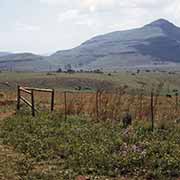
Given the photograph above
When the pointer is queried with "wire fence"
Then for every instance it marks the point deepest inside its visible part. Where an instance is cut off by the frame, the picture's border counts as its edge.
(112, 105)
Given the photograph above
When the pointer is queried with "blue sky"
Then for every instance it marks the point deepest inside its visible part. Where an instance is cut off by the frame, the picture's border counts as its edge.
(45, 26)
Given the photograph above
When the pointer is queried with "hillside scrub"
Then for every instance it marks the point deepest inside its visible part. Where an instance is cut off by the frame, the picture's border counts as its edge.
(55, 148)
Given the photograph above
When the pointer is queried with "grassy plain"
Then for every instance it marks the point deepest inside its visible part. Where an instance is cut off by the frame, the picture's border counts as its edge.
(71, 81)
(48, 147)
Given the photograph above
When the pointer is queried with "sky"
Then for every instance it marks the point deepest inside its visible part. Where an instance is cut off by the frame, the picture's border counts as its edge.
(46, 26)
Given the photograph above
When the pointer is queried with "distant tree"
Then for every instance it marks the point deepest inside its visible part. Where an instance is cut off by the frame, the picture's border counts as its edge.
(70, 71)
(59, 70)
(98, 71)
(171, 73)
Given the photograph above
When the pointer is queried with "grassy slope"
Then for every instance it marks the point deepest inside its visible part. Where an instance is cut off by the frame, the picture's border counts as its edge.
(57, 149)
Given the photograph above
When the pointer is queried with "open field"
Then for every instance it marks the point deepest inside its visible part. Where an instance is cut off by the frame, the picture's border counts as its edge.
(92, 140)
(93, 81)
(119, 92)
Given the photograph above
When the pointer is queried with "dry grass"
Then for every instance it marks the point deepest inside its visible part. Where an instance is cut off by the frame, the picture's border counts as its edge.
(103, 104)
(112, 106)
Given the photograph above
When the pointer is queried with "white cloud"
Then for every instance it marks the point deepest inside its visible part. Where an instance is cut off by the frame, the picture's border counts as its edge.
(51, 1)
(111, 15)
(109, 4)
(26, 27)
(173, 10)
(78, 17)
(93, 5)
(160, 8)
(71, 14)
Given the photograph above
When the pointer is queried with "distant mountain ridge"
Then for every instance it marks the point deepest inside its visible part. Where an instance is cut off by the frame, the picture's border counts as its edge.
(23, 62)
(4, 53)
(157, 41)
(20, 57)
(155, 44)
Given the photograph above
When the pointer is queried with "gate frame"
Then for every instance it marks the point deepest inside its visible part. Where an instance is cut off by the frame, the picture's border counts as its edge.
(30, 91)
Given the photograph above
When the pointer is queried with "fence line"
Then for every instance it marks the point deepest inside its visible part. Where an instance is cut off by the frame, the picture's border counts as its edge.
(109, 105)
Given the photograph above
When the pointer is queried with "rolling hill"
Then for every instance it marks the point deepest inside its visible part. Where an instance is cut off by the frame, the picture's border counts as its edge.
(24, 62)
(155, 44)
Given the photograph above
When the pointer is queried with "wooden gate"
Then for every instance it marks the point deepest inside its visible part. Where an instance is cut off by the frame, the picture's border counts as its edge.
(30, 91)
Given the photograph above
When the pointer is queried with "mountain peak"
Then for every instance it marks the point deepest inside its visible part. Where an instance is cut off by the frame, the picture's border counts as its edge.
(162, 23)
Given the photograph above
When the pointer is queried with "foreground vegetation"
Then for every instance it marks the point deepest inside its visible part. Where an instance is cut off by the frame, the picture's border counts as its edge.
(54, 148)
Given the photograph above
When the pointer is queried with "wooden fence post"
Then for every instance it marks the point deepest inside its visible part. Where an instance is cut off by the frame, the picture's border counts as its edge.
(18, 97)
(32, 102)
(152, 110)
(65, 105)
(97, 104)
(52, 101)
(100, 103)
